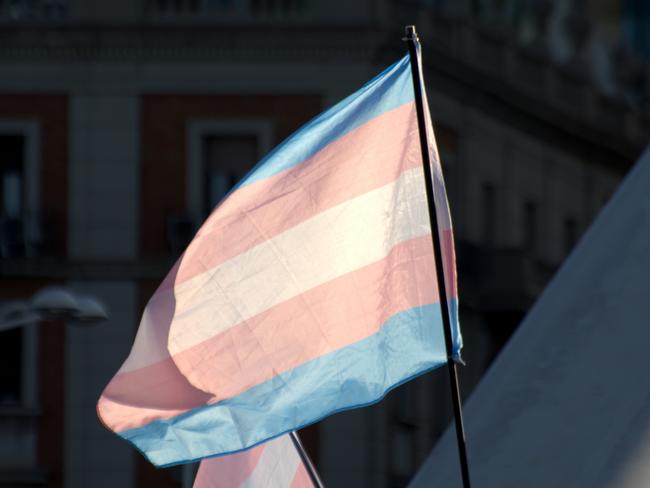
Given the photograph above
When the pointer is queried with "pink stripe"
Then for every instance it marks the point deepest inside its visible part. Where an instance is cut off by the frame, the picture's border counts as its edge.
(368, 157)
(279, 339)
(228, 471)
(301, 479)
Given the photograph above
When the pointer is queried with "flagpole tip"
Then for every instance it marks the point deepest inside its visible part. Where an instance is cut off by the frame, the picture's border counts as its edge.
(410, 32)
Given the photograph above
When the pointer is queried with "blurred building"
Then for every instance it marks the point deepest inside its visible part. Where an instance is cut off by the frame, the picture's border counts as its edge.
(122, 123)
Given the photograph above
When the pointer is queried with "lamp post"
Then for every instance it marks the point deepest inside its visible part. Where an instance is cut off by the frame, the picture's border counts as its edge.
(24, 394)
(52, 303)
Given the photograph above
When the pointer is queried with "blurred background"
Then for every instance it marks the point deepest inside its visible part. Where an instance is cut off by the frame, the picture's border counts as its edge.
(123, 122)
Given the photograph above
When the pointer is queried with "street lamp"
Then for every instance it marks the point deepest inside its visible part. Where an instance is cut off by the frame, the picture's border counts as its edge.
(52, 303)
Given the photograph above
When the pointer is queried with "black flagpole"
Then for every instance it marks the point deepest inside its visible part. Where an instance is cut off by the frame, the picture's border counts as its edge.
(313, 475)
(414, 51)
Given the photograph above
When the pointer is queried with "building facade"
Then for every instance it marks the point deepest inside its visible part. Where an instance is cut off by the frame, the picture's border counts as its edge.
(123, 123)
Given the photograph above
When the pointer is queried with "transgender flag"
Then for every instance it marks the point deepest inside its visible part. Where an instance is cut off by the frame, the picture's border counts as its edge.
(274, 463)
(309, 290)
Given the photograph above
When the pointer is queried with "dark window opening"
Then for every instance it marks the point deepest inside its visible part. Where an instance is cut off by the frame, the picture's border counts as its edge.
(226, 160)
(10, 366)
(12, 195)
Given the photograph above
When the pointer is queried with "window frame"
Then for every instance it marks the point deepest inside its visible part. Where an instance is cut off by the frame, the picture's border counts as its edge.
(30, 130)
(28, 406)
(196, 132)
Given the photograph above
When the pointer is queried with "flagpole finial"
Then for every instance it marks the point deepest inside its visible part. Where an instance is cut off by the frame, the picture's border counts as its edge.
(410, 31)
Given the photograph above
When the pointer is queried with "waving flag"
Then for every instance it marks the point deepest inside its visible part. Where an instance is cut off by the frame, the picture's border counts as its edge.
(275, 463)
(309, 290)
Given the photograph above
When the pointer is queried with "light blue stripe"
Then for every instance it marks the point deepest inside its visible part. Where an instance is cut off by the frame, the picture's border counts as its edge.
(409, 343)
(388, 90)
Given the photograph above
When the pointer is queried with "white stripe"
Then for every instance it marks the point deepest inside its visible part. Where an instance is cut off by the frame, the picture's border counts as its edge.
(277, 465)
(331, 244)
(335, 242)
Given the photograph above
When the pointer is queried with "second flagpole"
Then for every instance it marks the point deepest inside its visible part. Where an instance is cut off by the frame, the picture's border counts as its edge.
(414, 44)
(306, 460)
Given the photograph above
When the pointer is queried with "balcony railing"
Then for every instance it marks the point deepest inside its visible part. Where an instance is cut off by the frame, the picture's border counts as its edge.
(33, 10)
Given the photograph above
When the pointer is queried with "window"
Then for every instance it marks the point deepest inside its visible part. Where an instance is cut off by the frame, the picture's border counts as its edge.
(18, 359)
(19, 387)
(19, 198)
(220, 153)
(227, 159)
(19, 235)
(10, 372)
(12, 189)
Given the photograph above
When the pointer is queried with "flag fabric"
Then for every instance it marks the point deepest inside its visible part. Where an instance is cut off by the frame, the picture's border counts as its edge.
(310, 289)
(273, 463)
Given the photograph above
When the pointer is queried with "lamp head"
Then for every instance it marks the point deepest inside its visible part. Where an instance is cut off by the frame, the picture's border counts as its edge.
(89, 311)
(54, 302)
